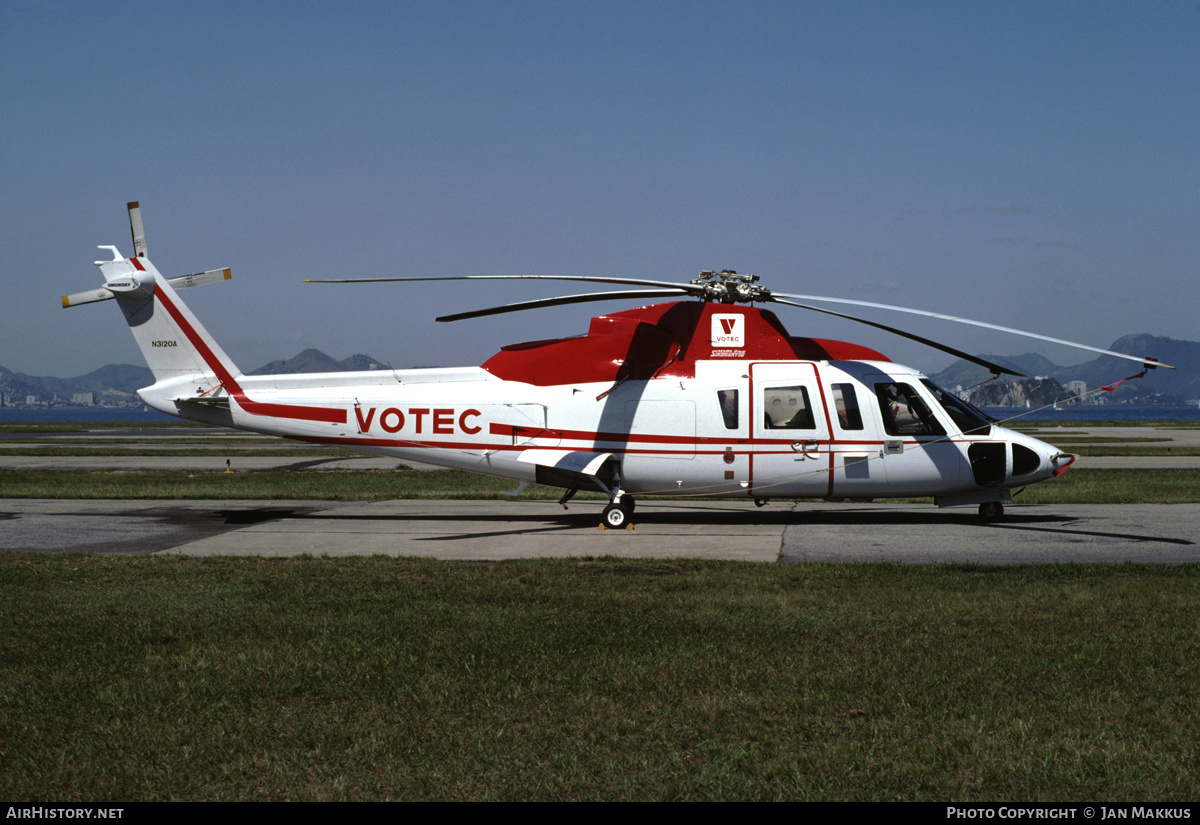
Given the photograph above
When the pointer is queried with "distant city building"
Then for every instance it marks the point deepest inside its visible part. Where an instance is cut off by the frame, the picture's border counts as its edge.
(1079, 388)
(85, 398)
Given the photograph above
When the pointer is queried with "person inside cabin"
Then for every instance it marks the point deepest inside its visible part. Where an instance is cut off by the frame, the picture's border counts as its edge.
(845, 403)
(788, 408)
(729, 407)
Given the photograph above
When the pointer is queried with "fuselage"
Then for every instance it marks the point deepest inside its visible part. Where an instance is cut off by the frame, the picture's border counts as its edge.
(723, 427)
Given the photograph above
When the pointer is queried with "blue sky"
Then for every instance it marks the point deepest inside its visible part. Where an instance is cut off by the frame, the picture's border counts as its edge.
(1034, 165)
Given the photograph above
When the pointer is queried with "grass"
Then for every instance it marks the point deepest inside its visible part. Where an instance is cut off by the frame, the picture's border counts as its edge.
(1074, 440)
(234, 451)
(1102, 451)
(1078, 486)
(324, 485)
(92, 426)
(1053, 426)
(1082, 486)
(151, 678)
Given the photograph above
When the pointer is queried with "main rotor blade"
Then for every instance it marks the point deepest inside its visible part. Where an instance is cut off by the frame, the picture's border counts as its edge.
(690, 289)
(995, 368)
(566, 299)
(1146, 361)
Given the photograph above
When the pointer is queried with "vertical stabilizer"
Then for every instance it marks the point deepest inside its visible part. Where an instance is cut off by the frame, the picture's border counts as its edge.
(172, 340)
(187, 363)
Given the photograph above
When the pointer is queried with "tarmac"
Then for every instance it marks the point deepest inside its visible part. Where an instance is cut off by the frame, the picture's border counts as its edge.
(489, 531)
(485, 531)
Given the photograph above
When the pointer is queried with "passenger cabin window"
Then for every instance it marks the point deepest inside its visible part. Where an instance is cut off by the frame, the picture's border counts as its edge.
(728, 399)
(903, 411)
(845, 403)
(787, 408)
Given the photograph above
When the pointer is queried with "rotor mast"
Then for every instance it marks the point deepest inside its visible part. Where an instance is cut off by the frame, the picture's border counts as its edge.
(728, 287)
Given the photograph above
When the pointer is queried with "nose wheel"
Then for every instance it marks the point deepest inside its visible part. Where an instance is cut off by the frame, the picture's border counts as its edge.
(991, 511)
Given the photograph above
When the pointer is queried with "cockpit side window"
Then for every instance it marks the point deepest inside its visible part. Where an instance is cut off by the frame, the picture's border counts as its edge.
(728, 399)
(787, 408)
(845, 403)
(904, 412)
(969, 420)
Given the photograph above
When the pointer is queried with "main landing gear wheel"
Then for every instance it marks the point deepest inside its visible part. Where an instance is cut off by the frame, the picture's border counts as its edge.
(991, 511)
(617, 514)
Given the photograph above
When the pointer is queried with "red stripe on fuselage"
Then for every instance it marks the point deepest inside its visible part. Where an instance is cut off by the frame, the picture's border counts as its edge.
(300, 413)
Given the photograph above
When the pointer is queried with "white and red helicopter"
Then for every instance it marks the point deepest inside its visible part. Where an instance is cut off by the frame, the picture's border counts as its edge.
(704, 397)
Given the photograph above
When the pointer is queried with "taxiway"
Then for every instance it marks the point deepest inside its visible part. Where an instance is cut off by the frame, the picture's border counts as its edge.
(495, 530)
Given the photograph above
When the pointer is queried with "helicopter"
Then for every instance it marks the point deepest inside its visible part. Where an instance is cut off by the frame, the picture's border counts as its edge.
(706, 395)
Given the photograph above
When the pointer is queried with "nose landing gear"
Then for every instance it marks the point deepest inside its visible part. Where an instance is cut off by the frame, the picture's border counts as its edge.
(991, 511)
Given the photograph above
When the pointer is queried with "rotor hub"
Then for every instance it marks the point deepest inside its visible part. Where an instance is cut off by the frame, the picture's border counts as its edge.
(728, 287)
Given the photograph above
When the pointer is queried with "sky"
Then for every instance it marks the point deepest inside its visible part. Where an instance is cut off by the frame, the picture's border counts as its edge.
(1029, 164)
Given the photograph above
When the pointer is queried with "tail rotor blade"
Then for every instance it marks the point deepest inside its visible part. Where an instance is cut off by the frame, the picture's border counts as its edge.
(139, 231)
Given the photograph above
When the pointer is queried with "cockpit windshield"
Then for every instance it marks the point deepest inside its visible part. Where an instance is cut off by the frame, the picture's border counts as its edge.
(969, 419)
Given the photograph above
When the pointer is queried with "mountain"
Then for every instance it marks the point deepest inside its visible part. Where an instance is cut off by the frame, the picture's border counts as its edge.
(1024, 392)
(15, 387)
(313, 360)
(1157, 386)
(113, 385)
(966, 374)
(117, 384)
(120, 377)
(1184, 380)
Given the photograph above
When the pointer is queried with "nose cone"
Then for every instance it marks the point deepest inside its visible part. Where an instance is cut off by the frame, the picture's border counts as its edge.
(1061, 462)
(1034, 460)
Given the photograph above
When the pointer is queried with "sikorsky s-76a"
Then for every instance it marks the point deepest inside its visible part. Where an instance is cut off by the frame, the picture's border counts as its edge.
(708, 396)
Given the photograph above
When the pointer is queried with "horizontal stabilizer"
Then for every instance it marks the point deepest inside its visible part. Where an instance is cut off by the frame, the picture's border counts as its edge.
(221, 402)
(91, 296)
(572, 468)
(567, 461)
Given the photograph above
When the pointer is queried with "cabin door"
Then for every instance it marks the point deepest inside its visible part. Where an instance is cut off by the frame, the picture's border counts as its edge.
(790, 432)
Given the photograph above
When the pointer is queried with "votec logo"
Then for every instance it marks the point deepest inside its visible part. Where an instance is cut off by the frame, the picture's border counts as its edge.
(728, 330)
